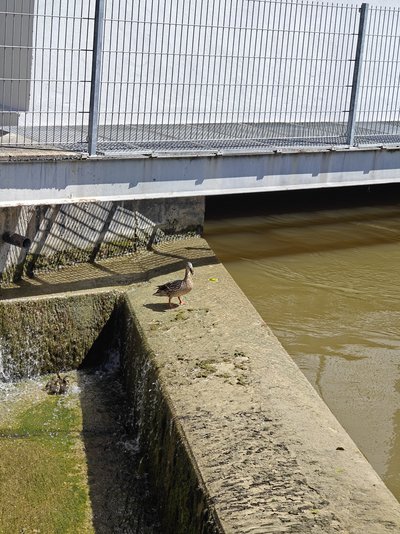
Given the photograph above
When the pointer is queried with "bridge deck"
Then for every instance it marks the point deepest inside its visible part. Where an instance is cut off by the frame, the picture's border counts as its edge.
(145, 139)
(50, 177)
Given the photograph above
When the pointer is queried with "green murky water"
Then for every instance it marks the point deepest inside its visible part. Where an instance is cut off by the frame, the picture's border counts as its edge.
(322, 269)
(68, 463)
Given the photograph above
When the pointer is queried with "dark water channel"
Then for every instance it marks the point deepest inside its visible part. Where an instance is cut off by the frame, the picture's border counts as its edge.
(322, 269)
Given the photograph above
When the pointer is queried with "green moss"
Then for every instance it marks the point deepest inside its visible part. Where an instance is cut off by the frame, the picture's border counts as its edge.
(41, 482)
(206, 367)
(8, 276)
(43, 336)
(52, 415)
(182, 315)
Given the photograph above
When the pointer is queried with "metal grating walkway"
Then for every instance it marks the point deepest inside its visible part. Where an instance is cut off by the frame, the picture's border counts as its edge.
(209, 137)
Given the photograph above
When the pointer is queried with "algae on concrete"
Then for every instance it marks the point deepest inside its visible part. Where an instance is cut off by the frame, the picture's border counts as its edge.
(83, 232)
(185, 506)
(43, 335)
(247, 447)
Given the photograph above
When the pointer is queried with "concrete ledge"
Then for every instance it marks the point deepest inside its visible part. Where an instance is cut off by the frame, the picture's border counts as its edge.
(182, 497)
(268, 454)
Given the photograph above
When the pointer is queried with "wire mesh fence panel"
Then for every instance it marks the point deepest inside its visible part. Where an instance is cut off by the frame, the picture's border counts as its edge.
(379, 109)
(195, 74)
(203, 74)
(45, 62)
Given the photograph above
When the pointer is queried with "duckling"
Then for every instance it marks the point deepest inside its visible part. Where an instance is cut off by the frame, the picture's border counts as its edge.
(52, 387)
(177, 288)
(57, 385)
(64, 383)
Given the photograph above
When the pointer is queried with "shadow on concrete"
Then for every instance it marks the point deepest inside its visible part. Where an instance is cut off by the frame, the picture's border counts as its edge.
(117, 272)
(161, 307)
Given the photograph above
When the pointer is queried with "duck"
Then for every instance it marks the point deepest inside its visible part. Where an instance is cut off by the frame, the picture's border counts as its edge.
(57, 385)
(177, 288)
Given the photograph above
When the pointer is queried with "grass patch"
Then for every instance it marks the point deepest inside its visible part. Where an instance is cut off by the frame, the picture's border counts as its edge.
(43, 483)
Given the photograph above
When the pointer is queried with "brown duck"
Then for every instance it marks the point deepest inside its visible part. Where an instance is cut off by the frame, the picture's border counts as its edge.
(177, 288)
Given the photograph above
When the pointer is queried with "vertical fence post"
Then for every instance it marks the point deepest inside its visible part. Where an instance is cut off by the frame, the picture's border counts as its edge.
(96, 75)
(355, 88)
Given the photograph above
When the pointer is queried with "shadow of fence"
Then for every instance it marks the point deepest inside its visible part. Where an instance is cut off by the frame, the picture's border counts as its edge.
(86, 232)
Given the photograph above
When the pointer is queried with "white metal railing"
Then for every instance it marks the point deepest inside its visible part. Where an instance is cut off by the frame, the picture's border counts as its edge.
(156, 75)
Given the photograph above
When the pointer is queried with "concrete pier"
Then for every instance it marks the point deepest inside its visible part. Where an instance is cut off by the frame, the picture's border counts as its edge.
(270, 455)
(235, 438)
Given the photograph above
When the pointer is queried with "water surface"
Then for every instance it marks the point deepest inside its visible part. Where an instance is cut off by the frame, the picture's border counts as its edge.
(322, 270)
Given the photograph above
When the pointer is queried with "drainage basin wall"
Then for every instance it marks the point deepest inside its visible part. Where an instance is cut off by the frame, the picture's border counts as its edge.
(61, 333)
(44, 335)
(182, 497)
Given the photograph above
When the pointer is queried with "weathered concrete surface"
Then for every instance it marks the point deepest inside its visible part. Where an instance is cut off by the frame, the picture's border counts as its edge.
(88, 231)
(181, 497)
(270, 454)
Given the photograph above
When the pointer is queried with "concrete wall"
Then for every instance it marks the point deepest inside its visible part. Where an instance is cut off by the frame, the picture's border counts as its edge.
(89, 231)
(181, 495)
(60, 333)
(232, 435)
(46, 335)
(269, 453)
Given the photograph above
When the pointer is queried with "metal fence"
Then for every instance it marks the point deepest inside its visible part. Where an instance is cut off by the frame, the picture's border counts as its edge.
(175, 75)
